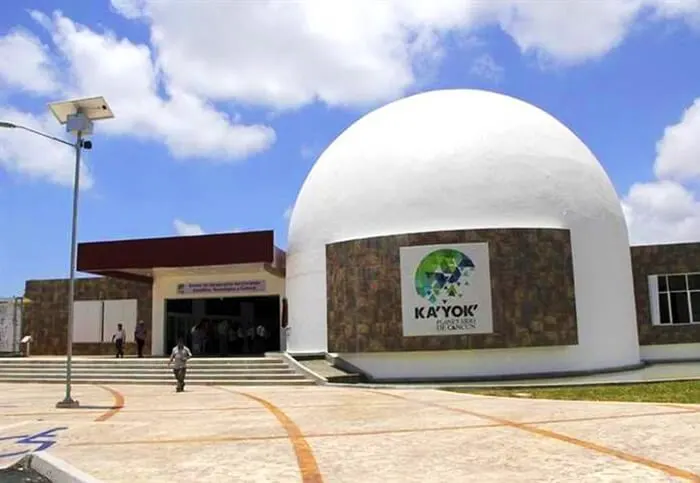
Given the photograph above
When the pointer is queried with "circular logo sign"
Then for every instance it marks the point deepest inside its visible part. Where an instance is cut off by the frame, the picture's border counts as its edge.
(442, 274)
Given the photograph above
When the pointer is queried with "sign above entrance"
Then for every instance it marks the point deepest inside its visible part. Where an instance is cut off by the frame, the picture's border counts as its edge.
(446, 289)
(240, 286)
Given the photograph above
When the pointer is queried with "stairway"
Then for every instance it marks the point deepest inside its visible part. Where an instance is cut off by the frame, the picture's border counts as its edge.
(258, 371)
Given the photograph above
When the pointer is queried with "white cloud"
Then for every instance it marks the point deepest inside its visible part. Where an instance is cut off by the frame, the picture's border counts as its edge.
(678, 152)
(486, 67)
(187, 229)
(662, 212)
(124, 72)
(35, 157)
(129, 8)
(569, 31)
(288, 212)
(668, 209)
(341, 52)
(26, 64)
(688, 10)
(573, 31)
(283, 54)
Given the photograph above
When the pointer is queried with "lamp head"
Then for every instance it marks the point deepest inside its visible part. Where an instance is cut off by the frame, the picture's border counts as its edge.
(7, 125)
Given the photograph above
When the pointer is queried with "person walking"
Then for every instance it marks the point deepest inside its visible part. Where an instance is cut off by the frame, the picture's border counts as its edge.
(140, 337)
(261, 339)
(119, 338)
(222, 329)
(178, 362)
(197, 337)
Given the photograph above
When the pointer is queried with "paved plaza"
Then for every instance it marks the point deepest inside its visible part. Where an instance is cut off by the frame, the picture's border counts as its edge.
(267, 434)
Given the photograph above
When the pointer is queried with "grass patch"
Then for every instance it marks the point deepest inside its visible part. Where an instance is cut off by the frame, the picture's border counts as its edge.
(685, 392)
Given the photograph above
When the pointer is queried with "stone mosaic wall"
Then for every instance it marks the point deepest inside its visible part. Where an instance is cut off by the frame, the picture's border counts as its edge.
(532, 287)
(662, 260)
(46, 317)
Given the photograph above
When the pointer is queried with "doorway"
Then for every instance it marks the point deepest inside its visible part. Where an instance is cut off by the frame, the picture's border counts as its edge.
(224, 326)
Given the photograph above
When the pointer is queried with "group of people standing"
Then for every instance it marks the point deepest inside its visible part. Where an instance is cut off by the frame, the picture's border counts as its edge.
(119, 339)
(224, 337)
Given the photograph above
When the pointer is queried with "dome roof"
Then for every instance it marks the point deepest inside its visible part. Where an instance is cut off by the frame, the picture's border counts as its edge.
(450, 159)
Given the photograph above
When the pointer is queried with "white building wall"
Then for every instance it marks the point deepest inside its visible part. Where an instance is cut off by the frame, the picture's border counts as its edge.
(670, 352)
(456, 364)
(307, 302)
(165, 287)
(123, 312)
(87, 320)
(97, 320)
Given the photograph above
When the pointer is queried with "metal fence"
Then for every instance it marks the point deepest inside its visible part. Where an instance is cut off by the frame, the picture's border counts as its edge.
(11, 310)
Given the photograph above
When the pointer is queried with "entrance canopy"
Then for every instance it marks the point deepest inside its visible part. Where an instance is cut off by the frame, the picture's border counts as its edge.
(141, 259)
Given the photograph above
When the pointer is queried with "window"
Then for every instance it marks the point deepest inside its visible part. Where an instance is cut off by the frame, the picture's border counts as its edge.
(675, 298)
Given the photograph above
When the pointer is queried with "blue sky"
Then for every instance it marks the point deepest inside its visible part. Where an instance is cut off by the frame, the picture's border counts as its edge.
(222, 107)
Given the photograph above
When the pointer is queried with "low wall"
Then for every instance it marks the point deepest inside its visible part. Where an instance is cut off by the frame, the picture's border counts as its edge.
(670, 352)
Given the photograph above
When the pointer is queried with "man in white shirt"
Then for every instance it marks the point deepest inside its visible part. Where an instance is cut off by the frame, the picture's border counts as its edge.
(178, 361)
(119, 338)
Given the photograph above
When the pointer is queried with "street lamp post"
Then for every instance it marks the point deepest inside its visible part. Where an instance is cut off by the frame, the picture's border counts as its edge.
(78, 116)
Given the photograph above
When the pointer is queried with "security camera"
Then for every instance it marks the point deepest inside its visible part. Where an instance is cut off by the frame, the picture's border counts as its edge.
(87, 145)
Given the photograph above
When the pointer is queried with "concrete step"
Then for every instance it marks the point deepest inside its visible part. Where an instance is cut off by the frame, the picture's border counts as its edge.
(139, 376)
(268, 371)
(150, 370)
(106, 367)
(139, 367)
(105, 370)
(171, 381)
(135, 360)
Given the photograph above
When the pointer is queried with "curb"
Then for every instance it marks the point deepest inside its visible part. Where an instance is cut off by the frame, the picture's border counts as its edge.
(57, 470)
(516, 385)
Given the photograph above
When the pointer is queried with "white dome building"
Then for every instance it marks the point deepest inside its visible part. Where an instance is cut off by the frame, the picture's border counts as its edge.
(475, 162)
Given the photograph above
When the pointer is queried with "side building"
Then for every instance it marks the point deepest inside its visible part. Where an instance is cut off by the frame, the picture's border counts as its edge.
(667, 295)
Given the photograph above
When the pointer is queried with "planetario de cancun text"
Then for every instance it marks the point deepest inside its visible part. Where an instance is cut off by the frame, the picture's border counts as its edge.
(452, 234)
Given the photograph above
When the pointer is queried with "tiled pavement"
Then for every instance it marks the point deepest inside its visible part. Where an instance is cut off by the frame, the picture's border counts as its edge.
(334, 434)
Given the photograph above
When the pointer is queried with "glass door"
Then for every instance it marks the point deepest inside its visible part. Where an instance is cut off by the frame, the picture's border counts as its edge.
(178, 325)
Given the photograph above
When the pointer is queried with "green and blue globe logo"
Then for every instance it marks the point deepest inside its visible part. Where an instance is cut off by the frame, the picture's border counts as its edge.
(443, 274)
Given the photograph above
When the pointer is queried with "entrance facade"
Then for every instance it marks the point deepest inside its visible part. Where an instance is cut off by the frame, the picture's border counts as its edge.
(222, 292)
(224, 326)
